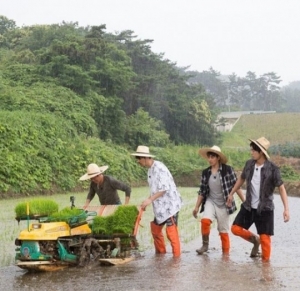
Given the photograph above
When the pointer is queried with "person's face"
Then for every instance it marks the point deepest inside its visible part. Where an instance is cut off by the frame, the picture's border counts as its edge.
(141, 161)
(256, 155)
(97, 179)
(213, 159)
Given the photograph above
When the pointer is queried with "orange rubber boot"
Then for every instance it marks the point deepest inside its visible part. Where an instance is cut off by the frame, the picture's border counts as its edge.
(248, 236)
(225, 242)
(205, 226)
(158, 237)
(265, 241)
(173, 236)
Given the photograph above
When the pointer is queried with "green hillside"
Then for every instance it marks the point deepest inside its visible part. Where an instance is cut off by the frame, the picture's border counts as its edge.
(278, 128)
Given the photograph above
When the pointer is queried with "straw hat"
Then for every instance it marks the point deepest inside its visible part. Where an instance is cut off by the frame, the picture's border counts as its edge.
(92, 171)
(214, 149)
(263, 144)
(142, 151)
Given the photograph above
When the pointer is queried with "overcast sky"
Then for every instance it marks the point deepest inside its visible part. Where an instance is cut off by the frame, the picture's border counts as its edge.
(229, 35)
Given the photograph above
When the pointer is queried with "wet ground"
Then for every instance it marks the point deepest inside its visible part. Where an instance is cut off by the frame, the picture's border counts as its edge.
(211, 271)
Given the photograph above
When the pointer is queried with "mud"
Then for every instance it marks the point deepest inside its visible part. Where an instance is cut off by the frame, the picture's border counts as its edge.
(211, 271)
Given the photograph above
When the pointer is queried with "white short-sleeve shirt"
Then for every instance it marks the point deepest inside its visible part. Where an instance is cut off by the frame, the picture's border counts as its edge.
(160, 179)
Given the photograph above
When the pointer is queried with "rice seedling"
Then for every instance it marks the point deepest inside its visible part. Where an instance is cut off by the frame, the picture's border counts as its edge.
(69, 215)
(121, 221)
(36, 207)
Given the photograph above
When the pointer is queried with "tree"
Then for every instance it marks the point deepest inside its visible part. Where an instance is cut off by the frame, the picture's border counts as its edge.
(270, 91)
(142, 129)
(6, 24)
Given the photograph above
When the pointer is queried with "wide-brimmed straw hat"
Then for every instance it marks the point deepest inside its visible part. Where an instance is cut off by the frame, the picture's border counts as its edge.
(142, 151)
(263, 144)
(92, 171)
(214, 149)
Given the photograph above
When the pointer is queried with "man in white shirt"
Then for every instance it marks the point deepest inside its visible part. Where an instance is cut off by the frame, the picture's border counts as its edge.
(165, 199)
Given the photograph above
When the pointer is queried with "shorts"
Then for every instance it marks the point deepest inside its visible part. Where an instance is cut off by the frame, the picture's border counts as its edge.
(212, 212)
(170, 221)
(264, 221)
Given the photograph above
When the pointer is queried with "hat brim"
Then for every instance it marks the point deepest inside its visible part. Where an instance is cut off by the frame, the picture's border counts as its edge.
(90, 176)
(203, 152)
(261, 147)
(142, 155)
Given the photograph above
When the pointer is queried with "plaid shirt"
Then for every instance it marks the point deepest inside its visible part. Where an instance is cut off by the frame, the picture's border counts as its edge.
(228, 179)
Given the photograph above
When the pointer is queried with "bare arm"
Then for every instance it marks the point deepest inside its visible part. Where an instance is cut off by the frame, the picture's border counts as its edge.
(197, 206)
(235, 188)
(87, 202)
(127, 198)
(151, 198)
(241, 194)
(284, 198)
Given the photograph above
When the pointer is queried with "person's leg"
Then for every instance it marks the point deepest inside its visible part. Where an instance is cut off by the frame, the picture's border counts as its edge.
(225, 242)
(207, 218)
(223, 228)
(158, 237)
(265, 241)
(264, 222)
(240, 226)
(173, 235)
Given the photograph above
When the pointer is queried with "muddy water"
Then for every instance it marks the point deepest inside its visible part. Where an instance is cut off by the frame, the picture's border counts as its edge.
(211, 271)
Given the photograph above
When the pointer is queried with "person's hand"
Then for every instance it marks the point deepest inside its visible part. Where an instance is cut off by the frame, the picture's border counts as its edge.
(286, 216)
(229, 200)
(145, 203)
(195, 212)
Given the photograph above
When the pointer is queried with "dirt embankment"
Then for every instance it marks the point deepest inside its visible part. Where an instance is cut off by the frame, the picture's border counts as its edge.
(292, 187)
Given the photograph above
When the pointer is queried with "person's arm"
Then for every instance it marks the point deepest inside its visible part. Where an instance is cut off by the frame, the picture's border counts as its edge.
(240, 194)
(197, 207)
(127, 195)
(151, 198)
(235, 188)
(87, 202)
(284, 198)
(90, 196)
(127, 198)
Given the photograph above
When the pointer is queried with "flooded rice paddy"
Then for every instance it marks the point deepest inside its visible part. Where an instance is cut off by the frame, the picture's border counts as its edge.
(211, 271)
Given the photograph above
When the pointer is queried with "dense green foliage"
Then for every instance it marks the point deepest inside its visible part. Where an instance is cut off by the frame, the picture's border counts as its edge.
(288, 149)
(73, 95)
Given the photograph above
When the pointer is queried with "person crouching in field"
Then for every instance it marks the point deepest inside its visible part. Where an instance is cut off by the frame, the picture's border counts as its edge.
(165, 199)
(216, 183)
(261, 176)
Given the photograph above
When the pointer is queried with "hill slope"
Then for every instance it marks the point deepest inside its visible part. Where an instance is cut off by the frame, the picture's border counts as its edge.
(278, 128)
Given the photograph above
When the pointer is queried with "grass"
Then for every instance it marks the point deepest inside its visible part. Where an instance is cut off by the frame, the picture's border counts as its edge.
(278, 128)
